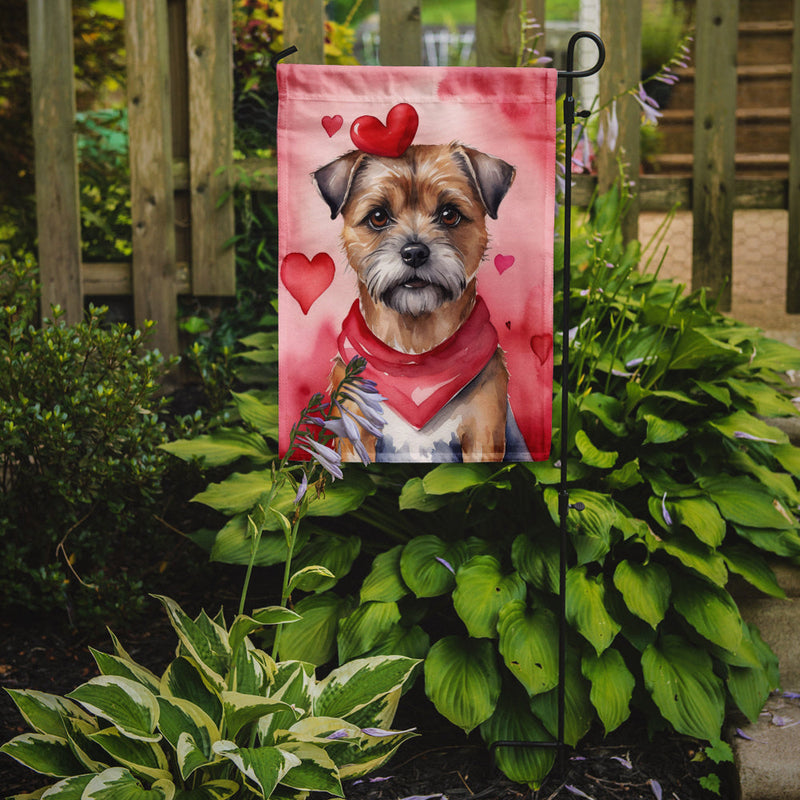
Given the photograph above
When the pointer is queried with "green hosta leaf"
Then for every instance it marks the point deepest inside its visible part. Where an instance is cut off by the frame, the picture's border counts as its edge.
(223, 446)
(212, 790)
(125, 668)
(313, 638)
(663, 431)
(399, 640)
(233, 544)
(590, 455)
(414, 497)
(334, 553)
(767, 401)
(753, 567)
(709, 610)
(578, 710)
(537, 561)
(242, 709)
(701, 517)
(237, 493)
(740, 422)
(44, 753)
(586, 608)
(683, 685)
(45, 712)
(261, 416)
(365, 627)
(779, 484)
(126, 704)
(589, 528)
(462, 680)
(316, 772)
(696, 349)
(788, 456)
(625, 477)
(355, 685)
(608, 410)
(385, 582)
(118, 784)
(612, 687)
(145, 759)
(263, 766)
(782, 543)
(512, 721)
(529, 645)
(716, 391)
(428, 565)
(449, 478)
(745, 502)
(183, 679)
(774, 355)
(749, 688)
(207, 644)
(693, 554)
(481, 591)
(646, 589)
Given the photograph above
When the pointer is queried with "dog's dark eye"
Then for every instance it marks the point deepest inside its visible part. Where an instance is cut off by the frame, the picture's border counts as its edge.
(450, 216)
(378, 219)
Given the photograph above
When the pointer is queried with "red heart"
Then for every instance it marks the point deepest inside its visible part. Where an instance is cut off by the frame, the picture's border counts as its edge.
(542, 346)
(332, 124)
(307, 280)
(393, 138)
(502, 263)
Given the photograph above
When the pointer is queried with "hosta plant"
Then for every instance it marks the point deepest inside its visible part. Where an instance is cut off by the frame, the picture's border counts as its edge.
(224, 720)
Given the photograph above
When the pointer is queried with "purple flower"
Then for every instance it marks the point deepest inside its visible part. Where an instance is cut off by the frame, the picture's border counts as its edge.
(649, 106)
(577, 792)
(624, 761)
(655, 786)
(608, 132)
(342, 733)
(328, 459)
(447, 564)
(751, 437)
(664, 512)
(380, 732)
(301, 489)
(742, 735)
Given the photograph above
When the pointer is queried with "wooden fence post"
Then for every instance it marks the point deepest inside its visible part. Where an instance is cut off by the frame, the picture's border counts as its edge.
(498, 29)
(793, 266)
(714, 189)
(304, 27)
(401, 33)
(56, 161)
(152, 201)
(621, 28)
(210, 55)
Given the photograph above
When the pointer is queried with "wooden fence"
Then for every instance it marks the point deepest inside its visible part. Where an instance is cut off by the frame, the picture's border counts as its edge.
(181, 141)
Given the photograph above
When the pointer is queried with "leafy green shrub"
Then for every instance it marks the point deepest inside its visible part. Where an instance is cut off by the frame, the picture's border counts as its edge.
(683, 484)
(79, 464)
(222, 717)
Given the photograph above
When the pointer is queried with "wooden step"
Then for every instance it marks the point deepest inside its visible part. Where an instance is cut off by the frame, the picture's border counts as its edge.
(767, 165)
(765, 42)
(754, 10)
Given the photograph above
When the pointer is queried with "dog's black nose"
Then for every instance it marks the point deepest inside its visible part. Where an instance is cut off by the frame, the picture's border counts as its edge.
(415, 254)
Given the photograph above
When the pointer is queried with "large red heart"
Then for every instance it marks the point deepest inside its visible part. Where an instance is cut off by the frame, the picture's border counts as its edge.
(370, 135)
(542, 346)
(307, 280)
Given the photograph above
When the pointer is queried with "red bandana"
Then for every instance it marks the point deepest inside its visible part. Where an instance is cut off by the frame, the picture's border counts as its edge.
(417, 386)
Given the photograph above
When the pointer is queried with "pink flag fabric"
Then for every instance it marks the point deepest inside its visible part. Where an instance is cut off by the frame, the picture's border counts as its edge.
(416, 213)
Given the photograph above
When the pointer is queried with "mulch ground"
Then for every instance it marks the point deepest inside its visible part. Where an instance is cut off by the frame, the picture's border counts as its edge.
(441, 762)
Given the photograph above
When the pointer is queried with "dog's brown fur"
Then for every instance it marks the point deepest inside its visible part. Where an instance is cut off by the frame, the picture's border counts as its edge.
(434, 198)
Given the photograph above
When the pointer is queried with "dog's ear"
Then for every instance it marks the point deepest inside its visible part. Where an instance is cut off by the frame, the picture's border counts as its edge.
(492, 176)
(335, 180)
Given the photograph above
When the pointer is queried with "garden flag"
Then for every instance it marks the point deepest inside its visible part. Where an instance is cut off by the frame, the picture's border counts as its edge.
(416, 213)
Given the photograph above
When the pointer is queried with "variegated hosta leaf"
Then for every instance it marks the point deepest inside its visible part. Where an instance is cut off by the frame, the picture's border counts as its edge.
(513, 721)
(125, 668)
(204, 641)
(262, 766)
(45, 712)
(183, 679)
(358, 683)
(316, 771)
(612, 687)
(683, 685)
(710, 610)
(252, 670)
(481, 591)
(586, 608)
(242, 709)
(78, 733)
(529, 645)
(646, 589)
(365, 627)
(145, 759)
(294, 685)
(68, 789)
(462, 680)
(126, 704)
(44, 753)
(179, 718)
(385, 581)
(117, 783)
(212, 790)
(244, 625)
(371, 754)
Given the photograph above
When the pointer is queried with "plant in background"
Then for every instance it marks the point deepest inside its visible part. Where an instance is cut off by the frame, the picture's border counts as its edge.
(79, 430)
(223, 720)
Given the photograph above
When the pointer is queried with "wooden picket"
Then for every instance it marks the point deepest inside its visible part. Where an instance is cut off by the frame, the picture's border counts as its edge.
(181, 141)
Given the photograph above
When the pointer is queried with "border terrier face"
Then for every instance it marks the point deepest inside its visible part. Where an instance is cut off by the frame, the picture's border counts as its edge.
(414, 226)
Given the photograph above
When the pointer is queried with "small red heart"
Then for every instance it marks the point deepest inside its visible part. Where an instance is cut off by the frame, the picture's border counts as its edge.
(370, 135)
(542, 346)
(307, 280)
(502, 263)
(332, 124)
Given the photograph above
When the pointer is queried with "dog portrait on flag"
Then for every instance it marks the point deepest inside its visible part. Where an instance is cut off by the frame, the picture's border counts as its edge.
(416, 213)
